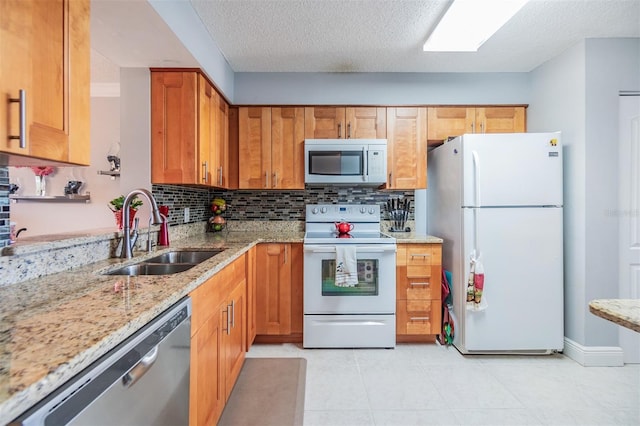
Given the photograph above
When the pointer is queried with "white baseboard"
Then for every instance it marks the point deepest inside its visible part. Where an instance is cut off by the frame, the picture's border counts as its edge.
(594, 356)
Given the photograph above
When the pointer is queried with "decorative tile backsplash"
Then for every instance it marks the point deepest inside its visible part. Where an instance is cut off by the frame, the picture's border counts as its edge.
(4, 206)
(244, 205)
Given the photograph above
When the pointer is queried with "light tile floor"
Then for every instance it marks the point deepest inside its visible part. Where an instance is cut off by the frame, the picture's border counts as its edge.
(428, 384)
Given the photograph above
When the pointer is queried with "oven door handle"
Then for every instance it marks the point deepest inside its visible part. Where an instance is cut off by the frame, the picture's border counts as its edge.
(360, 249)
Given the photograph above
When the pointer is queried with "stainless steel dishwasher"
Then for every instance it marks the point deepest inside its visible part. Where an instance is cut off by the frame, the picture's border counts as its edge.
(142, 381)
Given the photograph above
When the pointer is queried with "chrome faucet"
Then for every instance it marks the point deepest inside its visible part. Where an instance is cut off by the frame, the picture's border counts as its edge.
(127, 246)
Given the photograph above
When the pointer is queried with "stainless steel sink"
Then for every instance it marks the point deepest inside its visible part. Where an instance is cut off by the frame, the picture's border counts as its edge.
(184, 256)
(152, 269)
(167, 263)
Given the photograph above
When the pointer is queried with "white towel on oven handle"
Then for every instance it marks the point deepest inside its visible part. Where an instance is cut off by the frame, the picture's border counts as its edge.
(346, 265)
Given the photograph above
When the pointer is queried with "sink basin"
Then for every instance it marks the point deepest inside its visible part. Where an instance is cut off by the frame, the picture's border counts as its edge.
(184, 256)
(152, 269)
(167, 263)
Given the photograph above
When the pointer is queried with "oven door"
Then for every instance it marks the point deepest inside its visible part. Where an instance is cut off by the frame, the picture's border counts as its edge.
(375, 292)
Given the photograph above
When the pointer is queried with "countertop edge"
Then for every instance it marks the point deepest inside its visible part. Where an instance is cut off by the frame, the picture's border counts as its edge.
(624, 312)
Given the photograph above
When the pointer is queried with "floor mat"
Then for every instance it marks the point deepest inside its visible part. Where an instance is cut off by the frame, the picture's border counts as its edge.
(268, 392)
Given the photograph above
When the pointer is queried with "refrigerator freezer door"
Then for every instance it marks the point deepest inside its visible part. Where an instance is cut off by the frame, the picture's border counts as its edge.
(521, 251)
(514, 169)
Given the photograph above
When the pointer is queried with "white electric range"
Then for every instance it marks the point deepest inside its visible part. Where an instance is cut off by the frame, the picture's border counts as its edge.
(355, 316)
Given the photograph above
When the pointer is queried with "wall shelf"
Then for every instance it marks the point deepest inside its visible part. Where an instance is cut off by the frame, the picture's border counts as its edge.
(73, 198)
(111, 173)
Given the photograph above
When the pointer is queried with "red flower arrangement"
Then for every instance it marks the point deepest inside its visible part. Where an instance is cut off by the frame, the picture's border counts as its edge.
(43, 170)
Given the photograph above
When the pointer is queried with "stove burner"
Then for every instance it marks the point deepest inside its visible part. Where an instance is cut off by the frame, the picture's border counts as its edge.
(344, 235)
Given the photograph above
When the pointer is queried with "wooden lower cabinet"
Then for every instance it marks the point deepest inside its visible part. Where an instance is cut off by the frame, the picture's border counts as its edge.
(279, 292)
(218, 341)
(418, 295)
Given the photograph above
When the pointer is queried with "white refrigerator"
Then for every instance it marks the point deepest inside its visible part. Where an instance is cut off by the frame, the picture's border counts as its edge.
(499, 197)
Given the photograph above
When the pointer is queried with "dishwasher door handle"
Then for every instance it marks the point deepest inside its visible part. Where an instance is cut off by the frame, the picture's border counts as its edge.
(141, 368)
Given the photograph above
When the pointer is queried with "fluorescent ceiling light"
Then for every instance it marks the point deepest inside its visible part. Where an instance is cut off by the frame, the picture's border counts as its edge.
(469, 23)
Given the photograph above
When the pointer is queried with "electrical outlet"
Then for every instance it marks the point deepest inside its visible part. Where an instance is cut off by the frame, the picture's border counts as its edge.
(186, 215)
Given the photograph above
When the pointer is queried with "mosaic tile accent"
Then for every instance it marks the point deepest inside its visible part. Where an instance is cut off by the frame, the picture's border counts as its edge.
(256, 205)
(4, 206)
(290, 205)
(178, 197)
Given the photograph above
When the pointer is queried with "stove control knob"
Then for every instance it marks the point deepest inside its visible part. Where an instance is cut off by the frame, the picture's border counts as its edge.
(315, 210)
(372, 210)
(363, 210)
(323, 209)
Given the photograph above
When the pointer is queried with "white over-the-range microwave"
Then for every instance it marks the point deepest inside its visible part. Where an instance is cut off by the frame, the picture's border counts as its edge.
(345, 161)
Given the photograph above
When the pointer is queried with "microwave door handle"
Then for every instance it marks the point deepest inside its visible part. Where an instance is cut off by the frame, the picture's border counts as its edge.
(365, 168)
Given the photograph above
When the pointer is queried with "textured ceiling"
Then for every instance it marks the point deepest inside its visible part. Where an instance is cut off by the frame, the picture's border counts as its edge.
(387, 35)
(351, 35)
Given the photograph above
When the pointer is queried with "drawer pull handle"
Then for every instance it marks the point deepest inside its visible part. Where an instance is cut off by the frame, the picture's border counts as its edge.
(419, 319)
(419, 284)
(420, 255)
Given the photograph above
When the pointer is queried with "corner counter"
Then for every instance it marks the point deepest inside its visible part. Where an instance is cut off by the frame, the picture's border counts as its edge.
(624, 312)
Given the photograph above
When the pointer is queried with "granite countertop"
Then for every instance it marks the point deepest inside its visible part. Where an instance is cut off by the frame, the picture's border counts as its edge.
(54, 326)
(625, 312)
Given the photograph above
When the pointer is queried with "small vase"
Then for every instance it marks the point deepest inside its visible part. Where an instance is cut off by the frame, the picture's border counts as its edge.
(119, 219)
(41, 186)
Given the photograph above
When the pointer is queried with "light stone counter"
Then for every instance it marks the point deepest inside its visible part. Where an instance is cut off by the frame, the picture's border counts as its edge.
(54, 326)
(625, 312)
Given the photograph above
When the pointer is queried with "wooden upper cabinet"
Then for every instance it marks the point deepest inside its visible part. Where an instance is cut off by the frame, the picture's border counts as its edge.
(174, 115)
(287, 148)
(324, 122)
(501, 119)
(206, 140)
(345, 123)
(271, 148)
(407, 148)
(189, 130)
(44, 50)
(366, 123)
(254, 146)
(445, 122)
(220, 150)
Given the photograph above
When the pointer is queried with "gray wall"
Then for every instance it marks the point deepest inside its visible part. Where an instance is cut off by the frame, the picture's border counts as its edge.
(380, 88)
(577, 93)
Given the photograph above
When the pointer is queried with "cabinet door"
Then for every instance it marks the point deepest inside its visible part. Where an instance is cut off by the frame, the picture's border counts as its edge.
(407, 148)
(366, 123)
(324, 123)
(500, 120)
(44, 50)
(207, 131)
(206, 388)
(173, 127)
(254, 144)
(287, 148)
(220, 151)
(273, 302)
(235, 337)
(445, 122)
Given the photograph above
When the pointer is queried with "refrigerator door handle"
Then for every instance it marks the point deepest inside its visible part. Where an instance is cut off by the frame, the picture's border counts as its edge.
(476, 181)
(476, 177)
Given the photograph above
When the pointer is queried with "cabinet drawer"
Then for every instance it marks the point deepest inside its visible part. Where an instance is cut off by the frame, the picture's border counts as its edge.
(418, 317)
(413, 288)
(423, 254)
